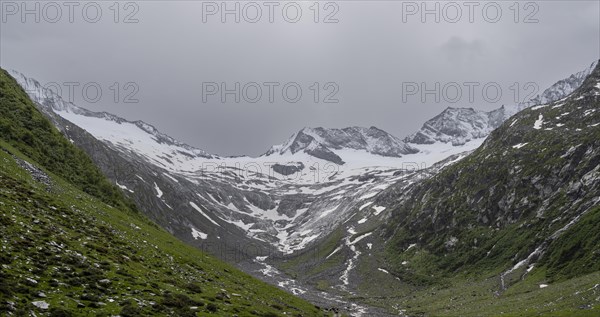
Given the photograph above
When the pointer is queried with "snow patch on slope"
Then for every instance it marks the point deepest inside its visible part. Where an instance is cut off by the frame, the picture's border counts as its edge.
(203, 214)
(538, 123)
(159, 192)
(198, 234)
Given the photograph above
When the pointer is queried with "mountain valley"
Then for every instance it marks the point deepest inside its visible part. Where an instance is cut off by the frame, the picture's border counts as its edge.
(471, 215)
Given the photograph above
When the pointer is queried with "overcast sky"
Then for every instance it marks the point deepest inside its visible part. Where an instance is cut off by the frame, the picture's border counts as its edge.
(367, 60)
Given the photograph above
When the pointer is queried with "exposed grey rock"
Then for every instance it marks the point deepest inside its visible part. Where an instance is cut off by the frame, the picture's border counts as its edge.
(41, 305)
(104, 282)
(37, 174)
(288, 169)
(31, 282)
(321, 143)
(459, 125)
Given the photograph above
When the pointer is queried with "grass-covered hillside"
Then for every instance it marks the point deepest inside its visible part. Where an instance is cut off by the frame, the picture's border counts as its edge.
(72, 245)
(27, 130)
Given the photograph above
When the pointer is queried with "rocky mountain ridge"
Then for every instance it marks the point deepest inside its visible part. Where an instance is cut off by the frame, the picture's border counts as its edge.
(321, 143)
(459, 125)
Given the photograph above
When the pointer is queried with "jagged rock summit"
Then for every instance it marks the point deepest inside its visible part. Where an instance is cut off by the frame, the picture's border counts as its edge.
(323, 143)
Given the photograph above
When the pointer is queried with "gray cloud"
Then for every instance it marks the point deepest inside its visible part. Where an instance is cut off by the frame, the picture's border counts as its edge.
(459, 51)
(369, 54)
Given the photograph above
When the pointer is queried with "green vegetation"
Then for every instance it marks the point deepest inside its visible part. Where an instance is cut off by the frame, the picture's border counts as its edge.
(311, 256)
(71, 245)
(474, 297)
(570, 254)
(24, 127)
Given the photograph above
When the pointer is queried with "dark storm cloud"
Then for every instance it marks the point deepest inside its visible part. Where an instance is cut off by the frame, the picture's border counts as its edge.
(365, 58)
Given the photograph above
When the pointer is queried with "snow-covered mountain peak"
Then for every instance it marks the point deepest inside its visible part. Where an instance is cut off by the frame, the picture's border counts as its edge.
(137, 136)
(460, 125)
(456, 126)
(561, 88)
(323, 143)
(354, 149)
(44, 96)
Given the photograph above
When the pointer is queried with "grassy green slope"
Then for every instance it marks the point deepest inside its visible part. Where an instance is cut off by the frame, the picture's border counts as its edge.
(26, 129)
(78, 246)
